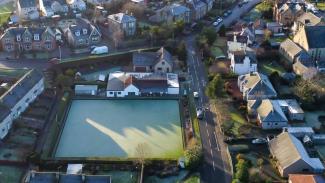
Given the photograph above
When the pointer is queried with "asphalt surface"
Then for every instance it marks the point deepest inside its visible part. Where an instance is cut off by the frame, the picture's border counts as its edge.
(215, 167)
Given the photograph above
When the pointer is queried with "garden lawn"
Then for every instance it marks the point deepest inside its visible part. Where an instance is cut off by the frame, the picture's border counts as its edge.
(5, 11)
(115, 128)
(269, 67)
(238, 120)
(10, 174)
(321, 6)
(218, 46)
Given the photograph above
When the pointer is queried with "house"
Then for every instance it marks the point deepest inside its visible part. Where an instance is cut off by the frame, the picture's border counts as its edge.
(304, 66)
(159, 61)
(291, 109)
(290, 50)
(28, 39)
(172, 13)
(287, 13)
(236, 42)
(305, 178)
(198, 9)
(49, 8)
(81, 33)
(18, 97)
(274, 27)
(209, 4)
(268, 113)
(243, 62)
(312, 40)
(306, 19)
(256, 86)
(248, 30)
(292, 157)
(299, 132)
(77, 5)
(27, 9)
(122, 84)
(259, 27)
(86, 89)
(122, 22)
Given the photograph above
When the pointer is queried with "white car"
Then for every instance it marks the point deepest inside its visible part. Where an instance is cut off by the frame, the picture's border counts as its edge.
(259, 141)
(196, 94)
(199, 113)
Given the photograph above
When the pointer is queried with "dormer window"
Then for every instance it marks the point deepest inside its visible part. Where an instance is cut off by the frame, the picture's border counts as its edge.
(77, 33)
(84, 31)
(18, 38)
(36, 37)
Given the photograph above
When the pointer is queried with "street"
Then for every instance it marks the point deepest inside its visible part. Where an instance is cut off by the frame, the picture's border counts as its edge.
(213, 168)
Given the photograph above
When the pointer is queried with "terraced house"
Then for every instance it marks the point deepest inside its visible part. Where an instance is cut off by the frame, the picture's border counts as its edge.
(17, 98)
(28, 39)
(49, 7)
(27, 9)
(123, 23)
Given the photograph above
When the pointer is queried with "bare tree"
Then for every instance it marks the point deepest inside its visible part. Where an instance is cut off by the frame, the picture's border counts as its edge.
(134, 9)
(117, 36)
(142, 151)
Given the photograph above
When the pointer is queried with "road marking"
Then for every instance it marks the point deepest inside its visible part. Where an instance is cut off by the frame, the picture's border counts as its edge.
(211, 153)
(206, 124)
(215, 136)
(209, 142)
(214, 168)
(208, 133)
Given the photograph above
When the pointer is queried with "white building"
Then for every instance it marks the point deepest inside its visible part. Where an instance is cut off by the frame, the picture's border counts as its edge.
(236, 43)
(27, 9)
(121, 84)
(78, 5)
(18, 97)
(86, 89)
(243, 62)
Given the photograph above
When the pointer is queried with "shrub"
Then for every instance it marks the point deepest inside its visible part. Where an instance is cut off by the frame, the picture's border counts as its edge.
(193, 154)
(242, 173)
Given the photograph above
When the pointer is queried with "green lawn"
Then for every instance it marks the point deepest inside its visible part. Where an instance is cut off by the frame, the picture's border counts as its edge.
(238, 120)
(321, 6)
(10, 174)
(13, 72)
(269, 67)
(253, 15)
(218, 46)
(5, 11)
(193, 179)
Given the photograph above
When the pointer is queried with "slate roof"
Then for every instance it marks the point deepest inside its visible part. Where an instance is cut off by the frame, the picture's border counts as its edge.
(14, 31)
(152, 58)
(309, 19)
(302, 178)
(239, 56)
(121, 18)
(40, 177)
(315, 36)
(257, 83)
(269, 110)
(27, 3)
(305, 59)
(288, 149)
(20, 88)
(176, 9)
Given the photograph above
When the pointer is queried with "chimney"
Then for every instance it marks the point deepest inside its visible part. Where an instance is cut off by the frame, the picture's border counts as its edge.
(235, 37)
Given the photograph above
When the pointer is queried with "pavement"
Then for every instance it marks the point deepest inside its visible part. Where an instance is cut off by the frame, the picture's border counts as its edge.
(215, 167)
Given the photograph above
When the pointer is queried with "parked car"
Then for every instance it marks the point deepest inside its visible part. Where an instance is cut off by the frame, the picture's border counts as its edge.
(196, 94)
(229, 12)
(100, 50)
(199, 113)
(229, 140)
(259, 141)
(225, 14)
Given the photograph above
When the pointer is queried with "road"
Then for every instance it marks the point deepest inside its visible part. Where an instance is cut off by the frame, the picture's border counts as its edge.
(237, 12)
(213, 169)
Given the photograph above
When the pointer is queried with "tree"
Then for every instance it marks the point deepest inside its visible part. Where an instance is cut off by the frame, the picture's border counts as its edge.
(242, 173)
(142, 152)
(134, 9)
(193, 154)
(178, 27)
(64, 81)
(215, 87)
(260, 162)
(210, 34)
(181, 51)
(222, 31)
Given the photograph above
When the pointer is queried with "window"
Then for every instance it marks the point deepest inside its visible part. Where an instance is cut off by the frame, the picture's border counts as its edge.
(94, 38)
(111, 93)
(77, 33)
(119, 93)
(36, 37)
(276, 124)
(7, 40)
(18, 38)
(27, 100)
(27, 39)
(35, 91)
(84, 31)
(163, 63)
